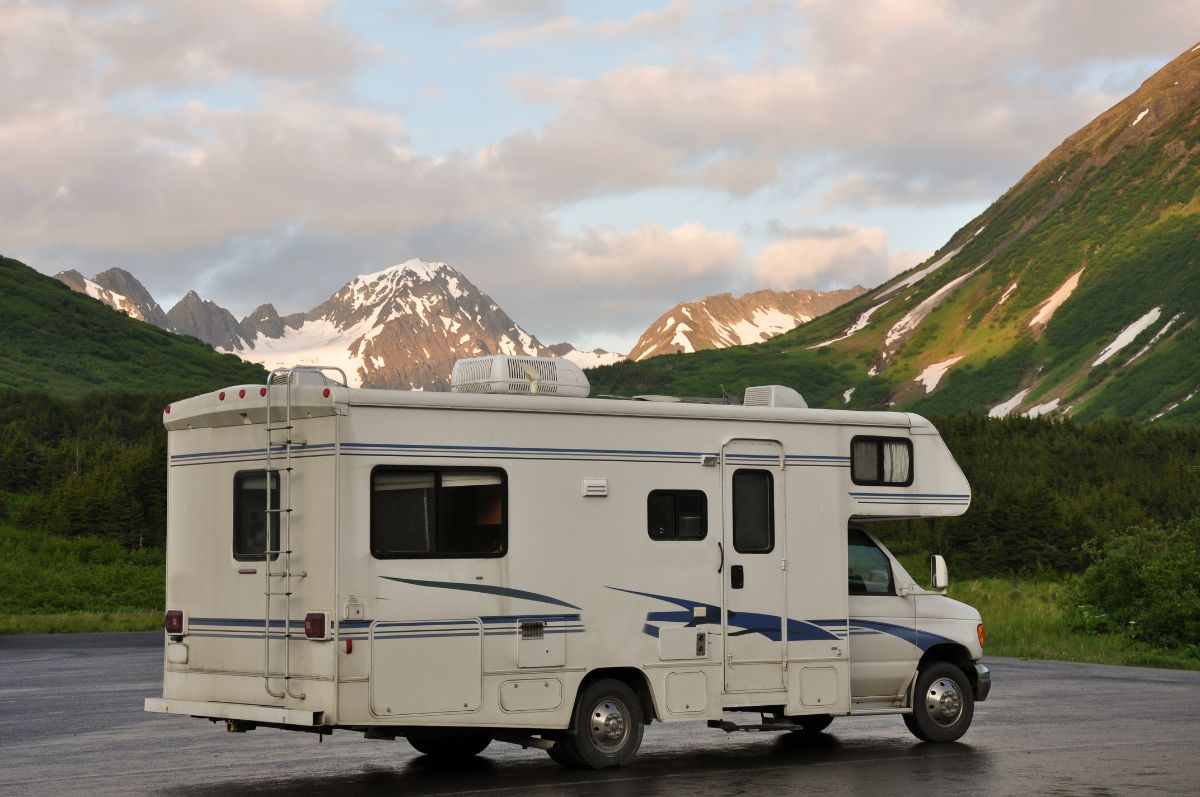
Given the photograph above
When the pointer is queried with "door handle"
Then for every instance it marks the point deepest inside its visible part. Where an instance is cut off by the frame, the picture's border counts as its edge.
(737, 579)
(721, 550)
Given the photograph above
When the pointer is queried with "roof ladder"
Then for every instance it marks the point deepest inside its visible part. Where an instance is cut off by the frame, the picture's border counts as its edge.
(278, 582)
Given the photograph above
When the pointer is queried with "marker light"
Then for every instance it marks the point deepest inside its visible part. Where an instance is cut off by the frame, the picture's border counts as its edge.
(242, 393)
(262, 391)
(315, 625)
(979, 630)
(168, 409)
(173, 622)
(325, 393)
(221, 396)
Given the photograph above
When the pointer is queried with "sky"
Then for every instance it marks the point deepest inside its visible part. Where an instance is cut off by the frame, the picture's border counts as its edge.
(587, 164)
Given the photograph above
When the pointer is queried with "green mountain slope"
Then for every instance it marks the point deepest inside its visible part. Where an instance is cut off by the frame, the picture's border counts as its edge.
(1097, 248)
(56, 341)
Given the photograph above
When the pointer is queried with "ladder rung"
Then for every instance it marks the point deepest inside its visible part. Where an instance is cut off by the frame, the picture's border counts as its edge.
(279, 510)
(277, 428)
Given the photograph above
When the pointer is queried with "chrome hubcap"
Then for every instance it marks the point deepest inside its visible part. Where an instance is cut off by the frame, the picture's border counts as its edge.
(609, 725)
(943, 702)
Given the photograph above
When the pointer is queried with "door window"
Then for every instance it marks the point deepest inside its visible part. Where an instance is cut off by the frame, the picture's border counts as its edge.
(753, 511)
(870, 569)
(250, 516)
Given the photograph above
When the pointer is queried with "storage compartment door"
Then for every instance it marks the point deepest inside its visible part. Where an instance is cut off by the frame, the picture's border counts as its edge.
(426, 667)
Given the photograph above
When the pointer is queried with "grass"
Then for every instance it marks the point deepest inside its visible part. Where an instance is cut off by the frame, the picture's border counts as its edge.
(50, 584)
(79, 622)
(1024, 617)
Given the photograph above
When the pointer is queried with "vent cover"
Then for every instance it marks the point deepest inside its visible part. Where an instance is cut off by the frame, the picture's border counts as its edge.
(526, 376)
(773, 396)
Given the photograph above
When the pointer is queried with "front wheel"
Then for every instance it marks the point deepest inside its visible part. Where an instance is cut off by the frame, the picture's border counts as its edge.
(943, 704)
(451, 745)
(608, 727)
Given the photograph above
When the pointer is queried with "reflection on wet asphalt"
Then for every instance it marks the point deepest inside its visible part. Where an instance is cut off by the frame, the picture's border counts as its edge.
(71, 722)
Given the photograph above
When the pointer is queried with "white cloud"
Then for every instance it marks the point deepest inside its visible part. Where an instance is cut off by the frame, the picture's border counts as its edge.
(650, 255)
(831, 257)
(666, 20)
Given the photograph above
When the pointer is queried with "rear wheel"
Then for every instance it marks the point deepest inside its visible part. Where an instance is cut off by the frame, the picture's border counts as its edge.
(812, 723)
(466, 744)
(608, 727)
(943, 704)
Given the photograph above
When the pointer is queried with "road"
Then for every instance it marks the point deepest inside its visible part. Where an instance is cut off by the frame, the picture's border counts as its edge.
(71, 723)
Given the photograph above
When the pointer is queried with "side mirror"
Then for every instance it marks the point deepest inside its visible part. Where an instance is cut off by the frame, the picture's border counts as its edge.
(937, 572)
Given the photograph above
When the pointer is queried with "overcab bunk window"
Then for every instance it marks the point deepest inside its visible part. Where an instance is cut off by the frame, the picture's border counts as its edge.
(881, 461)
(444, 512)
(250, 515)
(677, 514)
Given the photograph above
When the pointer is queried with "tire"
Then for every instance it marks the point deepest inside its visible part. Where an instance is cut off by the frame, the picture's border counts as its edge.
(943, 704)
(812, 723)
(608, 727)
(563, 757)
(451, 746)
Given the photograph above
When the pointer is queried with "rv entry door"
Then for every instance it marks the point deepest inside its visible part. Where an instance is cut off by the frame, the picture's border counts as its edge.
(754, 585)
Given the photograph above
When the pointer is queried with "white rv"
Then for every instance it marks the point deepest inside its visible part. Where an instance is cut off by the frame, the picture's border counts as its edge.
(512, 561)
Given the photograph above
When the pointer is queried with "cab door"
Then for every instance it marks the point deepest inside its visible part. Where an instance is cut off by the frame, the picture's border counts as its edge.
(754, 585)
(883, 653)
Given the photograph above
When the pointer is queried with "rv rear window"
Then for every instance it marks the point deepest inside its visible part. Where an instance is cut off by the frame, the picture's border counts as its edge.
(677, 514)
(250, 515)
(753, 511)
(881, 460)
(443, 512)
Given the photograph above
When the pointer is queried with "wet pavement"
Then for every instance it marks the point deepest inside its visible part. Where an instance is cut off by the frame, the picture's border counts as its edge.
(71, 722)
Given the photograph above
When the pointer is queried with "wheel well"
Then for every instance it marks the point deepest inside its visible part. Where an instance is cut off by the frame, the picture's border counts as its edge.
(951, 654)
(632, 677)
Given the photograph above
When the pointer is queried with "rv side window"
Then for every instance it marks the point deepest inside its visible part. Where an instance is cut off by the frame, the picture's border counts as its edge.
(447, 512)
(250, 515)
(870, 570)
(753, 511)
(677, 514)
(881, 461)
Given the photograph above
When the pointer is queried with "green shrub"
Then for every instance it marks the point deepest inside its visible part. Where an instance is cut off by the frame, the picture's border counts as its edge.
(1145, 583)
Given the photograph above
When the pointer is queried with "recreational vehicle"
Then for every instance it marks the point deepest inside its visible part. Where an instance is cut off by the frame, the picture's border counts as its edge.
(514, 561)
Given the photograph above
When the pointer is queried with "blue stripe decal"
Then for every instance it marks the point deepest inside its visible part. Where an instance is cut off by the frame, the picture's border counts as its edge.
(260, 451)
(769, 625)
(485, 589)
(914, 636)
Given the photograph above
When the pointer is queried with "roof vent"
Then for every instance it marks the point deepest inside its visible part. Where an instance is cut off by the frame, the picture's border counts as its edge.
(773, 396)
(525, 376)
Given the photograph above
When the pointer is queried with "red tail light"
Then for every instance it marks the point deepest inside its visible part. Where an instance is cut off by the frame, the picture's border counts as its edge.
(316, 625)
(173, 622)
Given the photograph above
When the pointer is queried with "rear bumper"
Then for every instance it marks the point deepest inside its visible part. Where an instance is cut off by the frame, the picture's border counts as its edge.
(983, 682)
(266, 715)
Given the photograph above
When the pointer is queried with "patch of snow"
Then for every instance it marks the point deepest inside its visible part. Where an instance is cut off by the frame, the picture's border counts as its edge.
(527, 345)
(1002, 410)
(1188, 397)
(591, 359)
(1046, 310)
(681, 340)
(1194, 49)
(764, 324)
(1007, 293)
(913, 279)
(1140, 117)
(934, 373)
(686, 312)
(981, 229)
(872, 371)
(667, 324)
(377, 362)
(452, 287)
(914, 317)
(1128, 334)
(465, 338)
(1042, 409)
(315, 342)
(857, 326)
(847, 394)
(1154, 339)
(506, 345)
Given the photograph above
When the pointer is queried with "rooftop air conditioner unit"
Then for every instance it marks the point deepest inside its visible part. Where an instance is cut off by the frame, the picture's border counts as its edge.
(773, 396)
(525, 376)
